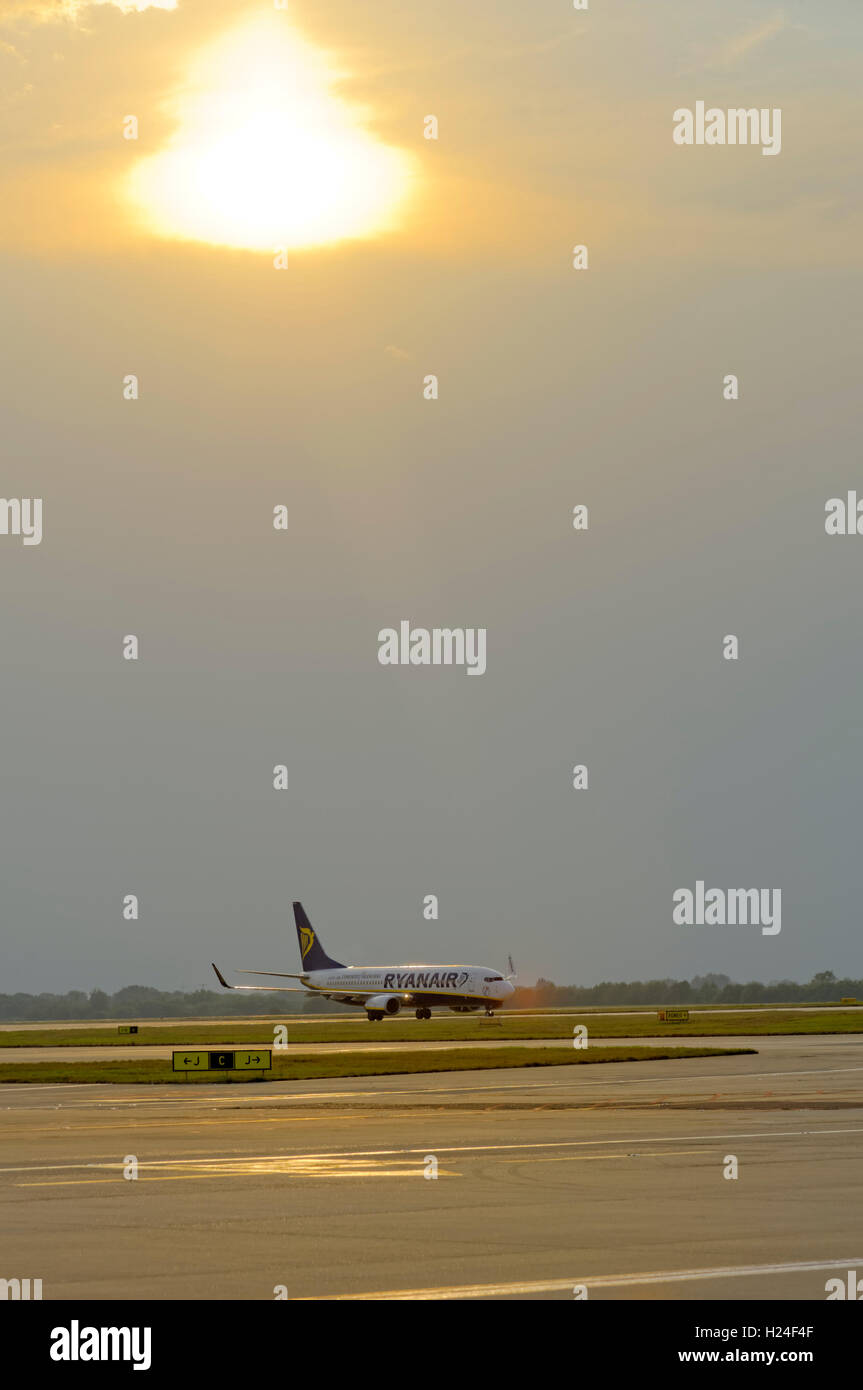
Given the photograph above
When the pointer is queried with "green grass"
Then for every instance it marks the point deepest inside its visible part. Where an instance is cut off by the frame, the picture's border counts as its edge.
(651, 1008)
(512, 1028)
(288, 1068)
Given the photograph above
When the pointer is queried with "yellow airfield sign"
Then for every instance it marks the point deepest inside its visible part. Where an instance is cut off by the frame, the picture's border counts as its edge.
(249, 1059)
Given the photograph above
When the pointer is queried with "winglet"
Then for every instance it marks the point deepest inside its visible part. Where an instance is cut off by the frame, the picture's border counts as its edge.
(220, 976)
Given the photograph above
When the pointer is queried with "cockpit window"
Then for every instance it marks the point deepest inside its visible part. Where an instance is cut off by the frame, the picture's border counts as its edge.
(492, 979)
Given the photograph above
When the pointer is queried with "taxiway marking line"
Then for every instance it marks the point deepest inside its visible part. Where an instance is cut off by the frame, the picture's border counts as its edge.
(453, 1149)
(602, 1281)
(239, 1168)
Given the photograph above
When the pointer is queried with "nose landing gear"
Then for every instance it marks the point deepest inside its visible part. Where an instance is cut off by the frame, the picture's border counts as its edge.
(423, 1013)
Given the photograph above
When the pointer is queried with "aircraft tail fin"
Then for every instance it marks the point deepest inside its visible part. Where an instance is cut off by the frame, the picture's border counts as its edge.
(312, 953)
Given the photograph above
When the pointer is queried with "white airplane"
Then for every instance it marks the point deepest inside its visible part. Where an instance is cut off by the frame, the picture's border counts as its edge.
(385, 989)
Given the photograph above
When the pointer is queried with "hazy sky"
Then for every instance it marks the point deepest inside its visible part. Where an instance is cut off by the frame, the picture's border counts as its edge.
(304, 387)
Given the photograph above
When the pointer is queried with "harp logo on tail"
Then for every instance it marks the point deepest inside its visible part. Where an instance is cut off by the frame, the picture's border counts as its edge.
(307, 940)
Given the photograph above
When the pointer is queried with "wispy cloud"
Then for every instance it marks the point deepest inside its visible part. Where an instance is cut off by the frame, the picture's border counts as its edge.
(71, 9)
(128, 6)
(739, 47)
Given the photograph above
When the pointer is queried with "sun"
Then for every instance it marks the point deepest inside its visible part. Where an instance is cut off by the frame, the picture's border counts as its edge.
(266, 154)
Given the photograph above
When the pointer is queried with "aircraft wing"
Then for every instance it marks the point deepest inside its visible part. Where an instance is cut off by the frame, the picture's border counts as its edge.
(279, 974)
(340, 996)
(280, 989)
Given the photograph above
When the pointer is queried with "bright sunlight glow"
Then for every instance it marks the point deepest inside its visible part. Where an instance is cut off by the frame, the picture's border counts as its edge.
(266, 155)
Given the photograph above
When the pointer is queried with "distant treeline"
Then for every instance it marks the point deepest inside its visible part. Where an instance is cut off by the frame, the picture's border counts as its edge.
(701, 989)
(140, 1001)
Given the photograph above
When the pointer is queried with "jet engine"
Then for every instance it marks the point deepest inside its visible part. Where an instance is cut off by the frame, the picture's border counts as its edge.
(383, 1004)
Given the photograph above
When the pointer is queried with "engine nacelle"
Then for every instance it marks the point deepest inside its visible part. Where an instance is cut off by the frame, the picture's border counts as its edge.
(384, 1003)
(464, 1008)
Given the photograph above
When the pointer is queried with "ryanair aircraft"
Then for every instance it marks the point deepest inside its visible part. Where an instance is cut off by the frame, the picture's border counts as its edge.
(386, 989)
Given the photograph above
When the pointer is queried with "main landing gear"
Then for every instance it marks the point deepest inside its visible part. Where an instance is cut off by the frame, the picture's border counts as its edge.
(423, 1013)
(375, 1016)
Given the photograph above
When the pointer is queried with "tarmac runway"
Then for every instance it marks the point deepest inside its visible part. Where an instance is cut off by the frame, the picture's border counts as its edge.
(610, 1178)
